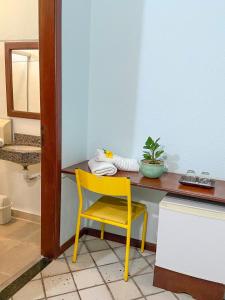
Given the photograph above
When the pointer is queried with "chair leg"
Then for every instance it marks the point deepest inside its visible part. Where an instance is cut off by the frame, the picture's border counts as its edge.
(144, 231)
(102, 230)
(76, 239)
(127, 254)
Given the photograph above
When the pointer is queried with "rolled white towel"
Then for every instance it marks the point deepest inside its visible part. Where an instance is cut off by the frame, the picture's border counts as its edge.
(1, 142)
(101, 168)
(123, 164)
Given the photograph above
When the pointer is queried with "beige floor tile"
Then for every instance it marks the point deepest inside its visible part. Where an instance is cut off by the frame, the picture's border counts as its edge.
(59, 284)
(34, 238)
(113, 244)
(32, 291)
(139, 266)
(19, 248)
(162, 296)
(56, 267)
(104, 257)
(96, 293)
(69, 296)
(82, 249)
(112, 272)
(145, 283)
(3, 278)
(121, 252)
(96, 245)
(122, 290)
(7, 244)
(182, 296)
(87, 278)
(84, 261)
(19, 257)
(18, 230)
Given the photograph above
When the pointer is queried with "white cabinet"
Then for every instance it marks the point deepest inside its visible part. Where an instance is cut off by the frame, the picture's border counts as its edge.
(191, 238)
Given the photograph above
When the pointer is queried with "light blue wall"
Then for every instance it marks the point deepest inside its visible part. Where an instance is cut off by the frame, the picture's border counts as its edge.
(114, 58)
(181, 90)
(157, 68)
(141, 68)
(75, 82)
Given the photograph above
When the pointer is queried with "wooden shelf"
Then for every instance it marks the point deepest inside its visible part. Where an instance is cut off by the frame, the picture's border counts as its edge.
(168, 182)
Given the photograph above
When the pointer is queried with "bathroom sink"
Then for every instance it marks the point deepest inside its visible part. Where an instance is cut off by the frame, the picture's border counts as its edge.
(24, 155)
(23, 148)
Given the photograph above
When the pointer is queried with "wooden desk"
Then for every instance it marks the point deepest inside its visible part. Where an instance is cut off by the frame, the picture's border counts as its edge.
(168, 182)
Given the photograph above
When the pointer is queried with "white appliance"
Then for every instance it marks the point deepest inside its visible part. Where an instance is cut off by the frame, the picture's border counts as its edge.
(191, 238)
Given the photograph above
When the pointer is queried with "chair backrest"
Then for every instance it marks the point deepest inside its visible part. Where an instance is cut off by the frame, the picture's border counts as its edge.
(105, 185)
(113, 186)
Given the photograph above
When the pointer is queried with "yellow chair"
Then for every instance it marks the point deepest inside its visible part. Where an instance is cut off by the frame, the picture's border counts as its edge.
(109, 210)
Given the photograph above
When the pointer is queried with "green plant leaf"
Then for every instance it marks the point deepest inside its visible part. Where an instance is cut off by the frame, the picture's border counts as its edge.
(147, 156)
(159, 153)
(156, 146)
(149, 142)
(156, 141)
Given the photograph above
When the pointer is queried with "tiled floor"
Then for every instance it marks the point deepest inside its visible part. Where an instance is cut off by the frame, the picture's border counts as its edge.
(19, 248)
(97, 275)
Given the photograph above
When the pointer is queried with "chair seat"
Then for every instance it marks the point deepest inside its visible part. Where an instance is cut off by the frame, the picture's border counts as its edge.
(113, 209)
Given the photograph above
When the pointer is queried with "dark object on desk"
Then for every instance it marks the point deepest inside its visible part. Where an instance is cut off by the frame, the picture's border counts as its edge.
(197, 182)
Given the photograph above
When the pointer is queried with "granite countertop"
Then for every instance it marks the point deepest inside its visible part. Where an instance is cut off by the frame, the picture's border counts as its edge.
(23, 156)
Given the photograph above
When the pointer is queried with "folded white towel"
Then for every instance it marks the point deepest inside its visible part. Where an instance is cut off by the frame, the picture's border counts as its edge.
(123, 164)
(1, 142)
(101, 168)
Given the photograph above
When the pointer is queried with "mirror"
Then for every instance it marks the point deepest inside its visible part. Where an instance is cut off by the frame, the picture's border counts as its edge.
(22, 79)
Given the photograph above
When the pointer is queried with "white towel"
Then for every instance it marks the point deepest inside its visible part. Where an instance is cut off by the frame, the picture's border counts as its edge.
(101, 168)
(121, 163)
(1, 142)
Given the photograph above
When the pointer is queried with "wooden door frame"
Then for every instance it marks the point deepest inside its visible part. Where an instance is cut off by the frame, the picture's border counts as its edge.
(50, 14)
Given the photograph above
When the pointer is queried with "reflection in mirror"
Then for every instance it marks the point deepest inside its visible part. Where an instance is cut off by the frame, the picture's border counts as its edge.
(22, 79)
(25, 78)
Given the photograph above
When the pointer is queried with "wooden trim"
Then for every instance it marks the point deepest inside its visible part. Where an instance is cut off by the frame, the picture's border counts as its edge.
(120, 239)
(108, 236)
(175, 282)
(50, 85)
(9, 46)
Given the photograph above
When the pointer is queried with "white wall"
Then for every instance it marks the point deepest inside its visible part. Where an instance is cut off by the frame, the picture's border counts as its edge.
(75, 82)
(18, 21)
(25, 196)
(157, 68)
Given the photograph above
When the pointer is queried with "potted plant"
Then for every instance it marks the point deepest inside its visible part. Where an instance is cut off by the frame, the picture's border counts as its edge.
(152, 166)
